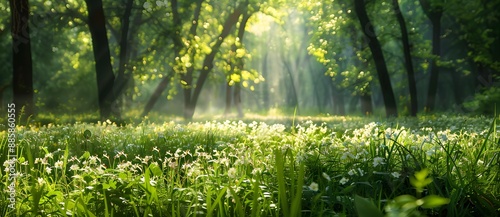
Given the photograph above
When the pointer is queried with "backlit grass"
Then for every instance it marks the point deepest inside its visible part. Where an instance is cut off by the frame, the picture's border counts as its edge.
(251, 168)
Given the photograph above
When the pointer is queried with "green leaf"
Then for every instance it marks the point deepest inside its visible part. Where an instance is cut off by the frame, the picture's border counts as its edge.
(155, 170)
(87, 134)
(403, 199)
(366, 208)
(422, 174)
(433, 201)
(85, 155)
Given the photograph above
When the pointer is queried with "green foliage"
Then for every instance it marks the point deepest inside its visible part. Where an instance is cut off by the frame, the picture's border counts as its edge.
(257, 169)
(486, 102)
(404, 205)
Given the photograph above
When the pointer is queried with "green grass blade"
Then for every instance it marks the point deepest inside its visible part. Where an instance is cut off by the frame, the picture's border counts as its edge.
(280, 168)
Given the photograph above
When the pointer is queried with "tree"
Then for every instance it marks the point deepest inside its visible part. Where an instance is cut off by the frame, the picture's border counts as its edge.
(378, 58)
(434, 11)
(407, 56)
(104, 70)
(237, 65)
(22, 82)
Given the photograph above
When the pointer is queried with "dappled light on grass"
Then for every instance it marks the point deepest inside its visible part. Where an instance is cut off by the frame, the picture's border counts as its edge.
(251, 168)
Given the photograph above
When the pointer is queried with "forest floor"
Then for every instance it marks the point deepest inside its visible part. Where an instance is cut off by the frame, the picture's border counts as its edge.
(259, 166)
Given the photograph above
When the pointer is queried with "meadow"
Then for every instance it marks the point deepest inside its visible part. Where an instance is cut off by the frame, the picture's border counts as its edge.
(337, 166)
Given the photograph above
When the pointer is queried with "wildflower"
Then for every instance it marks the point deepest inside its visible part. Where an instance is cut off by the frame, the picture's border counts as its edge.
(314, 186)
(395, 174)
(41, 181)
(74, 167)
(361, 172)
(156, 149)
(326, 176)
(231, 173)
(378, 161)
(256, 171)
(343, 180)
(352, 172)
(48, 170)
(58, 164)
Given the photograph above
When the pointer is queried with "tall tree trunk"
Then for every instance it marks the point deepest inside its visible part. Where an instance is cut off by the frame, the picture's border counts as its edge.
(122, 78)
(378, 57)
(229, 98)
(337, 99)
(265, 85)
(22, 82)
(294, 98)
(366, 104)
(156, 95)
(104, 70)
(237, 100)
(434, 13)
(2, 89)
(412, 84)
(457, 88)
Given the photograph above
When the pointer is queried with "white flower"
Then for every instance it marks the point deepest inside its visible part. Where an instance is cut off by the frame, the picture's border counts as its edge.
(48, 170)
(256, 171)
(361, 172)
(395, 174)
(74, 167)
(58, 164)
(352, 172)
(378, 161)
(344, 180)
(231, 173)
(314, 186)
(41, 181)
(326, 176)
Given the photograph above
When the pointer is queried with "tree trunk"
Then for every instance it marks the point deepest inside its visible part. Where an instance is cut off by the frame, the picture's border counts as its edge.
(177, 47)
(227, 110)
(104, 70)
(208, 62)
(237, 100)
(122, 78)
(412, 84)
(457, 88)
(294, 99)
(2, 89)
(156, 95)
(22, 82)
(366, 104)
(434, 14)
(265, 85)
(378, 57)
(187, 77)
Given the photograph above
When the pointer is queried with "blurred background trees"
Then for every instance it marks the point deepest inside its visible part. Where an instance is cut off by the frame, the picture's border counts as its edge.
(195, 57)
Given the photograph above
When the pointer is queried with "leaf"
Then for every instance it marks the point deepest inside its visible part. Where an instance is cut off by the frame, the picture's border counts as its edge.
(155, 170)
(366, 208)
(433, 201)
(403, 199)
(87, 134)
(422, 174)
(85, 155)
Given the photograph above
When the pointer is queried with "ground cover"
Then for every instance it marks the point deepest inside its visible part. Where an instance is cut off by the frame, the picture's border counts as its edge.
(260, 167)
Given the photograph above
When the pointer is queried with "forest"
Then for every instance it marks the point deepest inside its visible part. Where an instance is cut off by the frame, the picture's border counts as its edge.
(249, 108)
(122, 59)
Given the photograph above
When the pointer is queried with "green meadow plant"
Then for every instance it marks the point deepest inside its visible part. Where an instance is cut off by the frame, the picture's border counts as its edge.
(404, 205)
(254, 168)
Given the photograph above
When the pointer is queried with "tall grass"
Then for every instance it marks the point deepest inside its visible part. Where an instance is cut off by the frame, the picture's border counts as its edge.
(252, 168)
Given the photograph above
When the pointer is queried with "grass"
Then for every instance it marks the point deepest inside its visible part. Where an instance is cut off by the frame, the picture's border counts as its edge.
(254, 168)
